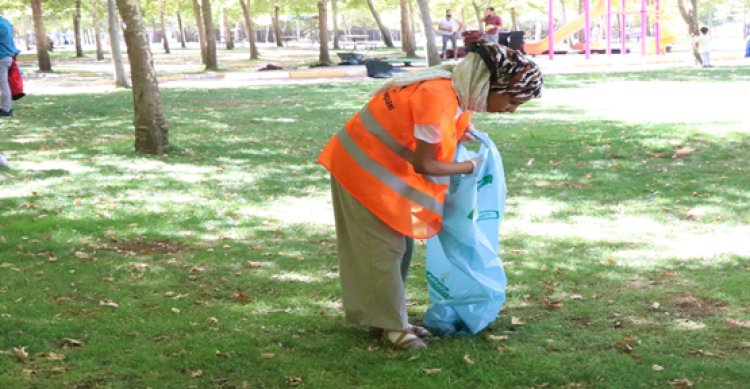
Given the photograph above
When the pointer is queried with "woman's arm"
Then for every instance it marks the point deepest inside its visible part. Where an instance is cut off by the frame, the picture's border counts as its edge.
(425, 163)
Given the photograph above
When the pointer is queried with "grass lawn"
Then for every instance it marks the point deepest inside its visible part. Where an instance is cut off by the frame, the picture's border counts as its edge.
(625, 242)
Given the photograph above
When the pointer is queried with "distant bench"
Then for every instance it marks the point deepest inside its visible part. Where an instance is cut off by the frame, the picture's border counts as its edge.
(354, 40)
(405, 61)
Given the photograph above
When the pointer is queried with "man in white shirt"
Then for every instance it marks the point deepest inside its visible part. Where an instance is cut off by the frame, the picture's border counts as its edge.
(449, 28)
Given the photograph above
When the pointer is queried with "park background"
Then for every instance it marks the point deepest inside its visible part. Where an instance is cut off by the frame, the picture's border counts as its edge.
(210, 263)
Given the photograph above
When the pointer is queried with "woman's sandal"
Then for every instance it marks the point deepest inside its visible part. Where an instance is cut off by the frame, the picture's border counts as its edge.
(420, 331)
(406, 340)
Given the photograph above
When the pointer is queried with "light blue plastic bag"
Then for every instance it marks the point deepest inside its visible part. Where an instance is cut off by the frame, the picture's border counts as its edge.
(465, 277)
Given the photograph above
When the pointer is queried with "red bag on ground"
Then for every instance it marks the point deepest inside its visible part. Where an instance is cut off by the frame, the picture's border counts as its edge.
(15, 81)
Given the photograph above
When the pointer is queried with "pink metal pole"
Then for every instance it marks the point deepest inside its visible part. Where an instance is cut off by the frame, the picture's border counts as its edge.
(587, 32)
(623, 48)
(609, 27)
(657, 30)
(551, 30)
(643, 27)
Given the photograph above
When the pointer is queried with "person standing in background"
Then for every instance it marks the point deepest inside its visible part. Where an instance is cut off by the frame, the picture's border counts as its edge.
(7, 52)
(449, 28)
(492, 24)
(704, 47)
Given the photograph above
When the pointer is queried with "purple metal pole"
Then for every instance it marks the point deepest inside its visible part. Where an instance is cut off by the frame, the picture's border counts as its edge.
(609, 27)
(623, 48)
(643, 27)
(657, 30)
(551, 30)
(587, 32)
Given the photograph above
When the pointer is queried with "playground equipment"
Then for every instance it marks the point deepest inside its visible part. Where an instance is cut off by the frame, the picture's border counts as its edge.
(656, 45)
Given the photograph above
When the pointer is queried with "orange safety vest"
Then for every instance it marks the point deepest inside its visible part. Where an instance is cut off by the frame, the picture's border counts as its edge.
(368, 157)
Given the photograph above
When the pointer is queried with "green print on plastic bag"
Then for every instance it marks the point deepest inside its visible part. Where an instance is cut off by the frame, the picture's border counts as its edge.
(484, 215)
(486, 180)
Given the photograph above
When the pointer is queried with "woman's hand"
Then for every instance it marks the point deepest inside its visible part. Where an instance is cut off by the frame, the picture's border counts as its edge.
(424, 162)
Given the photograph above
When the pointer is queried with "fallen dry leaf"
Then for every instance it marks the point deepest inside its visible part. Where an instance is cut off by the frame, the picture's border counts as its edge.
(175, 310)
(576, 297)
(516, 321)
(734, 323)
(657, 367)
(198, 269)
(432, 371)
(51, 356)
(212, 321)
(627, 345)
(468, 360)
(193, 373)
(6, 264)
(21, 353)
(241, 297)
(553, 304)
(252, 264)
(58, 369)
(497, 337)
(655, 305)
(682, 383)
(683, 152)
(294, 381)
(267, 355)
(66, 343)
(82, 255)
(108, 303)
(223, 354)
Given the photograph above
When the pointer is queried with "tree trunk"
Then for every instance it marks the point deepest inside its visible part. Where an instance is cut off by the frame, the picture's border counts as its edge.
(164, 37)
(42, 44)
(565, 15)
(250, 29)
(690, 16)
(228, 38)
(324, 57)
(383, 29)
(513, 20)
(412, 23)
(97, 30)
(211, 63)
(113, 27)
(433, 57)
(478, 12)
(407, 41)
(77, 29)
(182, 30)
(334, 8)
(277, 27)
(151, 126)
(201, 31)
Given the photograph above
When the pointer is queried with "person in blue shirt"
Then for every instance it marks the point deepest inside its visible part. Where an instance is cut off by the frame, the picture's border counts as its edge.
(7, 52)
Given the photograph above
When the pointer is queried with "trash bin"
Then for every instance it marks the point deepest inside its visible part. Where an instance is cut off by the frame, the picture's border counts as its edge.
(351, 58)
(378, 69)
(512, 39)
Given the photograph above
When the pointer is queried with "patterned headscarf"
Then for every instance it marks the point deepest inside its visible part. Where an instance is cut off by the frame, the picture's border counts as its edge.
(514, 74)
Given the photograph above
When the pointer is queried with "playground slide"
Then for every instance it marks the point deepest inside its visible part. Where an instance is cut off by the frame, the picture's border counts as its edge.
(667, 38)
(598, 8)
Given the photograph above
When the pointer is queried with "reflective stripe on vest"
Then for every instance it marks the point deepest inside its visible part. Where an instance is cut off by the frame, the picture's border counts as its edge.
(377, 130)
(386, 177)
